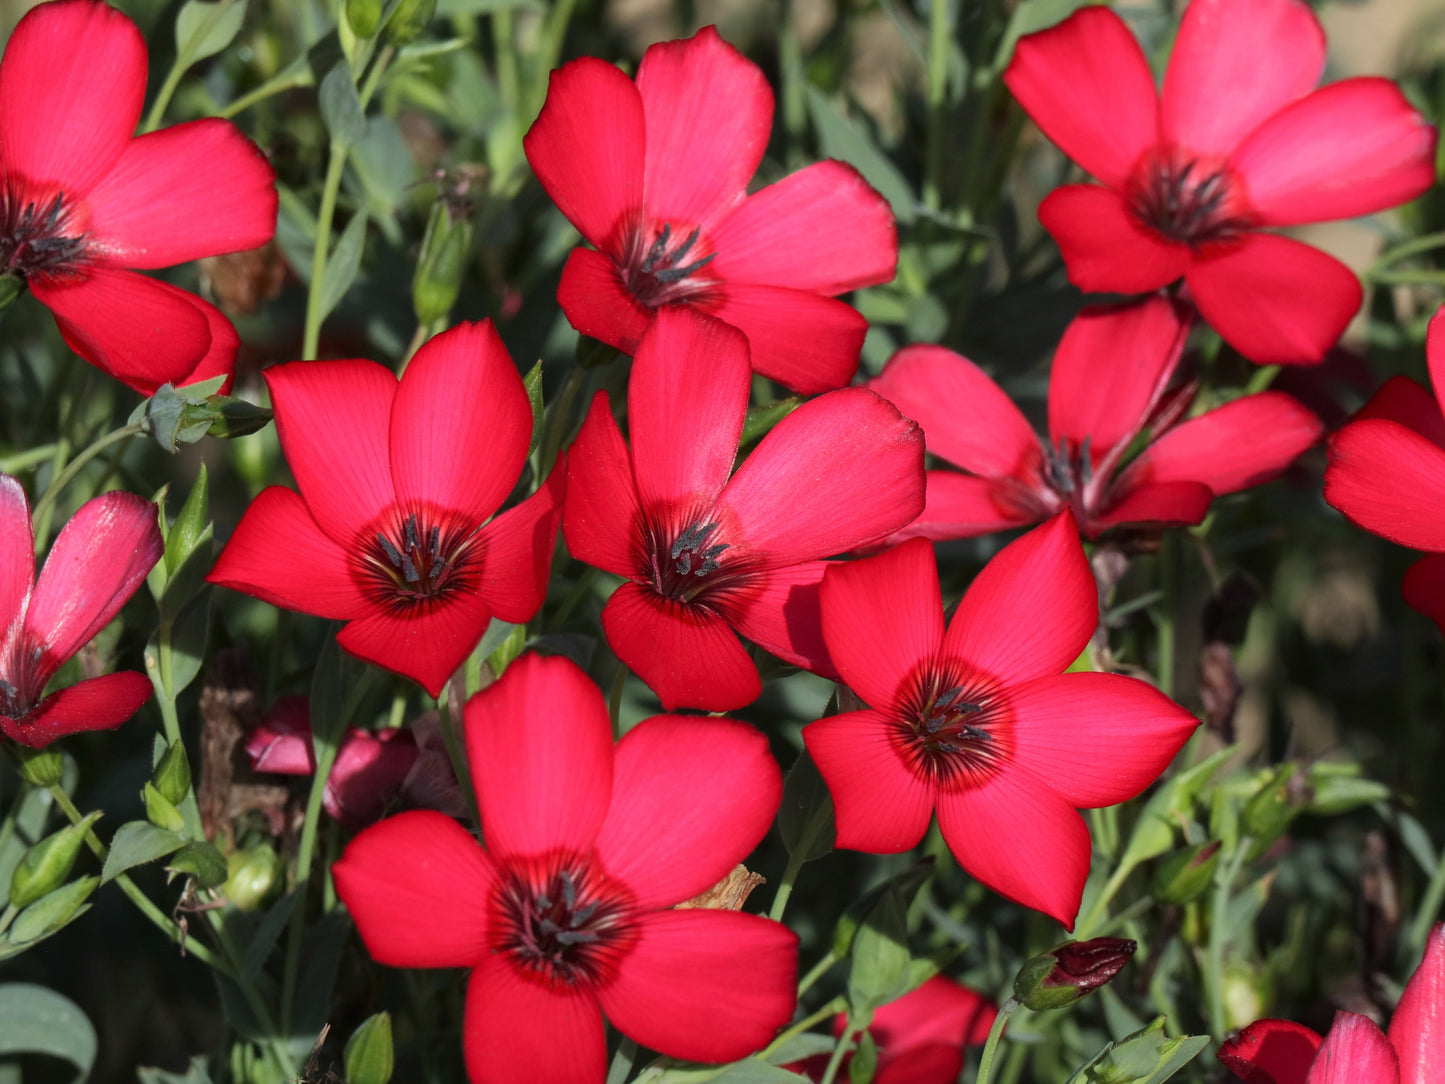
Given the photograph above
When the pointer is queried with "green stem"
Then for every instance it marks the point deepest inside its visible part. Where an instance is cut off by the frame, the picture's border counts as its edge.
(557, 422)
(1085, 929)
(184, 59)
(614, 701)
(8, 917)
(785, 887)
(43, 506)
(1406, 278)
(938, 39)
(817, 971)
(1403, 252)
(1128, 914)
(995, 1034)
(21, 460)
(840, 1051)
(1429, 908)
(277, 84)
(622, 1061)
(1164, 622)
(170, 721)
(837, 1005)
(1214, 955)
(504, 39)
(1014, 1068)
(311, 336)
(457, 755)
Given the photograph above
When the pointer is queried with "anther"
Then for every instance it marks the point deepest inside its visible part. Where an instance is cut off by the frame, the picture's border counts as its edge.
(392, 553)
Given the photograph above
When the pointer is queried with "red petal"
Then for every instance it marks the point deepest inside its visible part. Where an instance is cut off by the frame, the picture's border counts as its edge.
(1032, 609)
(1169, 504)
(334, 421)
(1389, 480)
(1235, 64)
(586, 148)
(281, 742)
(686, 654)
(197, 189)
(805, 342)
(279, 555)
(1271, 1052)
(1104, 249)
(709, 113)
(516, 551)
(1406, 401)
(71, 89)
(931, 1063)
(595, 303)
(705, 985)
(880, 804)
(687, 399)
(1424, 588)
(97, 704)
(426, 643)
(1275, 300)
(939, 1011)
(1417, 1030)
(220, 359)
(17, 553)
(822, 229)
(520, 1030)
(779, 612)
(1086, 83)
(1435, 351)
(691, 798)
(602, 511)
(1349, 149)
(368, 775)
(1355, 1052)
(540, 746)
(1096, 739)
(141, 331)
(962, 506)
(840, 471)
(967, 419)
(417, 886)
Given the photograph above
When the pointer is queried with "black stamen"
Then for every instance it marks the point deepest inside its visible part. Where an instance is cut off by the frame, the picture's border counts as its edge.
(393, 554)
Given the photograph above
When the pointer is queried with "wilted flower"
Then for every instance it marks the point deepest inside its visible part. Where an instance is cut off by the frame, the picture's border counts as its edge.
(1071, 971)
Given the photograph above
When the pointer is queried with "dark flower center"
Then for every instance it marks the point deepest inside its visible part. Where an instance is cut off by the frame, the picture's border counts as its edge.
(567, 927)
(38, 238)
(953, 725)
(421, 558)
(665, 269)
(686, 565)
(1186, 201)
(26, 671)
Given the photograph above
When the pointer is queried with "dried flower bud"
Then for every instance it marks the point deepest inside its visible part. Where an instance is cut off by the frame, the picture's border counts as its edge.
(1067, 973)
(730, 893)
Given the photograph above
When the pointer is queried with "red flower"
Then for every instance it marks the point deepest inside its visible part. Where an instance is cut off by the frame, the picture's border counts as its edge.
(99, 559)
(1355, 1051)
(655, 175)
(706, 554)
(1110, 383)
(1387, 473)
(977, 723)
(1238, 141)
(566, 913)
(390, 531)
(81, 200)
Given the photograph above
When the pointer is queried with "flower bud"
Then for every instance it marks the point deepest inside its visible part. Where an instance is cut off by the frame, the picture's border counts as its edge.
(363, 16)
(1183, 874)
(443, 260)
(45, 866)
(231, 418)
(252, 875)
(40, 767)
(1267, 815)
(368, 1051)
(408, 21)
(172, 777)
(161, 811)
(1065, 974)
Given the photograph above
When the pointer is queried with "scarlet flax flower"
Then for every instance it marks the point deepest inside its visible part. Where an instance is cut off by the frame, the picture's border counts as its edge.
(82, 201)
(99, 559)
(1355, 1051)
(1113, 382)
(392, 529)
(566, 913)
(655, 175)
(979, 721)
(1239, 141)
(705, 554)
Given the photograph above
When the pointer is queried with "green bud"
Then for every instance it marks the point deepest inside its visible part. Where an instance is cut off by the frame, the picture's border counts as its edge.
(231, 418)
(172, 776)
(186, 531)
(161, 811)
(252, 875)
(408, 21)
(363, 16)
(864, 1063)
(40, 767)
(443, 260)
(45, 866)
(52, 911)
(1267, 815)
(1068, 973)
(368, 1051)
(1185, 873)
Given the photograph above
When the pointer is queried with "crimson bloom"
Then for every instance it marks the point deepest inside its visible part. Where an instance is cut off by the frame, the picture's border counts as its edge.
(391, 529)
(979, 721)
(82, 200)
(99, 559)
(1110, 384)
(705, 554)
(1355, 1051)
(655, 173)
(1239, 140)
(566, 913)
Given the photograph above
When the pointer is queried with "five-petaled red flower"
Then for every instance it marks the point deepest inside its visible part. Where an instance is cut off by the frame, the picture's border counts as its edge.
(1239, 140)
(391, 531)
(655, 173)
(705, 554)
(99, 559)
(81, 200)
(980, 722)
(1111, 382)
(566, 913)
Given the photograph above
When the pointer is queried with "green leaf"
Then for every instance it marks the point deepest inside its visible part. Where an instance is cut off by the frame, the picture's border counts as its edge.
(340, 105)
(336, 676)
(747, 1071)
(203, 29)
(880, 954)
(840, 137)
(40, 1021)
(195, 1074)
(185, 532)
(1145, 1057)
(343, 263)
(320, 959)
(805, 819)
(533, 383)
(49, 913)
(258, 949)
(135, 844)
(203, 862)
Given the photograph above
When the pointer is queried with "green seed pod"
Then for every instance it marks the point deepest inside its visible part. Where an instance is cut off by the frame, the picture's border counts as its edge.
(45, 866)
(368, 1051)
(364, 17)
(253, 874)
(441, 265)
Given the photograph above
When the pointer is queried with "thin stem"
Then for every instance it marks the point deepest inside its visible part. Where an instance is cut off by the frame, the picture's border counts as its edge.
(418, 340)
(785, 887)
(1164, 621)
(995, 1034)
(837, 1005)
(1403, 252)
(1013, 1069)
(817, 971)
(1429, 908)
(184, 59)
(1085, 929)
(614, 701)
(840, 1051)
(1128, 914)
(335, 165)
(284, 81)
(938, 38)
(622, 1061)
(43, 506)
(456, 755)
(504, 40)
(21, 460)
(1214, 956)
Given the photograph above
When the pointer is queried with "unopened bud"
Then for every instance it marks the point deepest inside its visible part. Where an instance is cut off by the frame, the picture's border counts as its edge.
(1065, 974)
(231, 418)
(368, 1052)
(252, 874)
(161, 811)
(443, 259)
(40, 767)
(363, 16)
(408, 21)
(172, 777)
(1268, 813)
(45, 866)
(1185, 873)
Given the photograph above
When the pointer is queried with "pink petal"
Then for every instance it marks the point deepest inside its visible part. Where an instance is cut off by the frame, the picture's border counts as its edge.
(595, 303)
(516, 551)
(805, 342)
(1095, 739)
(840, 471)
(1435, 351)
(1086, 83)
(220, 358)
(141, 331)
(1349, 149)
(1271, 1052)
(1105, 250)
(281, 742)
(279, 555)
(523, 1030)
(97, 704)
(686, 654)
(368, 775)
(601, 514)
(880, 804)
(1235, 64)
(461, 423)
(418, 886)
(1406, 401)
(691, 798)
(779, 612)
(930, 1063)
(334, 421)
(1032, 609)
(197, 189)
(1417, 1030)
(1168, 504)
(426, 642)
(939, 1011)
(967, 419)
(1355, 1052)
(704, 985)
(71, 89)
(822, 229)
(1390, 481)
(540, 746)
(1018, 837)
(962, 506)
(587, 146)
(709, 114)
(687, 399)
(1275, 300)
(17, 554)
(1424, 587)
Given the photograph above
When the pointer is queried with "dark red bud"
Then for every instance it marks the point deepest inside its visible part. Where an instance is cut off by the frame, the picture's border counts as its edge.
(1063, 975)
